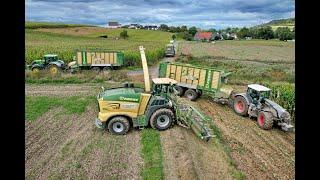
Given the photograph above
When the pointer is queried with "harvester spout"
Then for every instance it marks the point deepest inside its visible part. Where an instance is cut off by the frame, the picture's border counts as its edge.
(145, 69)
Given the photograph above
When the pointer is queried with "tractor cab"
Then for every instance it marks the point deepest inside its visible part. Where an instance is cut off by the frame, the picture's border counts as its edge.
(258, 93)
(50, 58)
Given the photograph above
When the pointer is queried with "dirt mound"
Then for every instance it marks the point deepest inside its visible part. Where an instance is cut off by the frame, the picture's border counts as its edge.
(70, 146)
(260, 154)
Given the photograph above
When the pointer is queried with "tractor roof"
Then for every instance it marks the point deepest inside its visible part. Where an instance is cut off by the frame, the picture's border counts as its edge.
(169, 45)
(50, 55)
(258, 87)
(164, 81)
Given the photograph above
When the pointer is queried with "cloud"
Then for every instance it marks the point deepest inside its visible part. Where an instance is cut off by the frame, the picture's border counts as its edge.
(204, 14)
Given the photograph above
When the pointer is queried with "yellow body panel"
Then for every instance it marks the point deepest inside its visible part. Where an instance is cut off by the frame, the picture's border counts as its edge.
(144, 102)
(215, 80)
(178, 73)
(89, 58)
(197, 77)
(79, 57)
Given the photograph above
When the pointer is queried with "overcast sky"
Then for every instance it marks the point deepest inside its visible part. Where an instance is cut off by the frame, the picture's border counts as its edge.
(204, 14)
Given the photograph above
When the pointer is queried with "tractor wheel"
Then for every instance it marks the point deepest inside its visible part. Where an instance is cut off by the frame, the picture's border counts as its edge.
(179, 89)
(191, 94)
(240, 106)
(107, 69)
(96, 69)
(162, 119)
(119, 125)
(54, 70)
(265, 120)
(35, 70)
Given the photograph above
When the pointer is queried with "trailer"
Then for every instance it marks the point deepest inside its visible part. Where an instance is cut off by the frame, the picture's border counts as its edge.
(98, 60)
(194, 80)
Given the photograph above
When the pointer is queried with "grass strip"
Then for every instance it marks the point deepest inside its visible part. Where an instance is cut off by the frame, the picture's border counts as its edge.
(152, 155)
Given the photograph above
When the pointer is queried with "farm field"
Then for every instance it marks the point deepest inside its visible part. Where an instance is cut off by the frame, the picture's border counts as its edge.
(62, 141)
(65, 41)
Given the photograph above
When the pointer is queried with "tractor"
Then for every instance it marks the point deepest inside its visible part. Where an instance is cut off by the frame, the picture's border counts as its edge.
(50, 62)
(255, 103)
(125, 107)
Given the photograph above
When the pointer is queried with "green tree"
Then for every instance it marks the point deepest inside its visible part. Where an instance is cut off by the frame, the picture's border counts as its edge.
(284, 33)
(124, 34)
(174, 36)
(183, 28)
(164, 27)
(243, 32)
(193, 30)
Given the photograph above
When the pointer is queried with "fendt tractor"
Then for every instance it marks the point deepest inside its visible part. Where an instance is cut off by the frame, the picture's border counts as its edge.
(125, 107)
(255, 103)
(49, 62)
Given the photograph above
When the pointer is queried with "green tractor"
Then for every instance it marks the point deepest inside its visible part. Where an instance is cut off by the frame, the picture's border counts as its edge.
(125, 107)
(49, 62)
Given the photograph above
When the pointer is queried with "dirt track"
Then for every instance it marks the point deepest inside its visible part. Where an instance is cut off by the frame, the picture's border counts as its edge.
(258, 153)
(63, 146)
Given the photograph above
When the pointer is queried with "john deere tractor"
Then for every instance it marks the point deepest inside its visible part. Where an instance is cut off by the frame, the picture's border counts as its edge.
(125, 107)
(255, 103)
(49, 62)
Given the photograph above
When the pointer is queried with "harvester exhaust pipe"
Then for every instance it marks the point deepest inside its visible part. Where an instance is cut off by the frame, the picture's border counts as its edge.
(145, 69)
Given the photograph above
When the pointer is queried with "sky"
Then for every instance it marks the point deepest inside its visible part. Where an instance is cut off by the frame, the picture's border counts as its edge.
(204, 14)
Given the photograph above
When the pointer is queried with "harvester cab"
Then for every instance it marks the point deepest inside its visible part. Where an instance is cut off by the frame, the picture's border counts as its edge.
(126, 107)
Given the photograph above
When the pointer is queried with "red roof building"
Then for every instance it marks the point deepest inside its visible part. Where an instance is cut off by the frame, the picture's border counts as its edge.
(203, 36)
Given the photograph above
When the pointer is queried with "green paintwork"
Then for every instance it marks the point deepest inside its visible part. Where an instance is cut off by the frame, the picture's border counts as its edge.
(122, 94)
(120, 58)
(38, 61)
(162, 69)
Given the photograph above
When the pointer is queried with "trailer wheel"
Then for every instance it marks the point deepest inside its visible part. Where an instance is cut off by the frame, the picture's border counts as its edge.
(162, 119)
(96, 69)
(265, 120)
(191, 94)
(119, 125)
(240, 106)
(180, 90)
(107, 69)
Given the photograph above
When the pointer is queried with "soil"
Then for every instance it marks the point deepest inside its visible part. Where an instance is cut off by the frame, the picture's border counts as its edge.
(63, 146)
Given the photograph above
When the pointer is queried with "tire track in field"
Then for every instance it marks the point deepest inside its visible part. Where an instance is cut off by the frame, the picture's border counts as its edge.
(260, 154)
(64, 146)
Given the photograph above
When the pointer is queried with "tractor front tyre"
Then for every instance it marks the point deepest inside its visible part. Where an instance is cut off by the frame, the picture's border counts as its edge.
(179, 89)
(240, 106)
(54, 70)
(265, 120)
(35, 70)
(162, 119)
(119, 125)
(191, 94)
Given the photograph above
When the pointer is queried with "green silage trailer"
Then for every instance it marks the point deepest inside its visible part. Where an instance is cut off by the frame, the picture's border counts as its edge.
(194, 80)
(99, 59)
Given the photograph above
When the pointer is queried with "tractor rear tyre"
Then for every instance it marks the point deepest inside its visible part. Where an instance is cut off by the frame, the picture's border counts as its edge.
(191, 94)
(265, 120)
(240, 106)
(180, 90)
(162, 119)
(119, 125)
(54, 70)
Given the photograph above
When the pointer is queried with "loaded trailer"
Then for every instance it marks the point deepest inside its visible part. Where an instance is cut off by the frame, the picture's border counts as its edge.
(98, 60)
(193, 81)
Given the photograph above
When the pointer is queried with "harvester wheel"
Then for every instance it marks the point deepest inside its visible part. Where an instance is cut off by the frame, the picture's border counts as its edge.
(265, 120)
(240, 106)
(162, 119)
(54, 70)
(191, 94)
(119, 125)
(179, 89)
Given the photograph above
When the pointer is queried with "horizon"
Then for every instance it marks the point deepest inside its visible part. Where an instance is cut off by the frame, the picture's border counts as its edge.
(237, 13)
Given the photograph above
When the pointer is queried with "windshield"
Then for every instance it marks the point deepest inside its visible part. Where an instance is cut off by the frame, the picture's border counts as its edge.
(265, 94)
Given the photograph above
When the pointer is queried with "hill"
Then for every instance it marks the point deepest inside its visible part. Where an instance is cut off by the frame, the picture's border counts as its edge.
(290, 23)
(36, 25)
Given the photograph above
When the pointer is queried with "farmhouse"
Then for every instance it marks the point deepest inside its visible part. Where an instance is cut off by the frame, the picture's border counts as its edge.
(151, 27)
(135, 26)
(203, 36)
(113, 24)
(232, 35)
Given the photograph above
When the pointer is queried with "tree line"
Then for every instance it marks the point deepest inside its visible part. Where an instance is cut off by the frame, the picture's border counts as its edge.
(262, 32)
